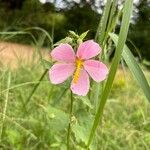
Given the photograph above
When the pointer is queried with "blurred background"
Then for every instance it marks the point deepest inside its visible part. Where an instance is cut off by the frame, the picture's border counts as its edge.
(59, 16)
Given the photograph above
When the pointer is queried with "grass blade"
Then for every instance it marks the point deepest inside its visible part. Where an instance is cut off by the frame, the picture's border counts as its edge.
(103, 23)
(21, 85)
(36, 86)
(99, 37)
(44, 31)
(134, 67)
(122, 38)
(5, 106)
(24, 130)
(13, 33)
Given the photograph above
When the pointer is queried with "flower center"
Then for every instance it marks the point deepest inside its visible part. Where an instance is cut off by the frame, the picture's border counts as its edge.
(79, 65)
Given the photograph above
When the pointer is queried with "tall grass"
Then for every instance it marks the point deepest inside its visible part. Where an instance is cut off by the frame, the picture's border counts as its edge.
(43, 123)
(34, 113)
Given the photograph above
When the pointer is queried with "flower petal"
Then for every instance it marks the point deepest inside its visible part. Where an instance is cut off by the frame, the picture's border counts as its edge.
(63, 52)
(88, 49)
(60, 72)
(97, 70)
(82, 86)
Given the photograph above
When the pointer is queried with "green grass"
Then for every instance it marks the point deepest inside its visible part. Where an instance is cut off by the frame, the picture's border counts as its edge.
(43, 122)
(35, 115)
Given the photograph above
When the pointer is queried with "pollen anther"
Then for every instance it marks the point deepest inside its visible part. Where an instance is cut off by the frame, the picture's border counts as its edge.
(79, 65)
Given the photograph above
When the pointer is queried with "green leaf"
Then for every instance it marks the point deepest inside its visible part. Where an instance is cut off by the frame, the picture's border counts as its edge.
(134, 67)
(46, 64)
(122, 38)
(145, 62)
(112, 14)
(58, 119)
(13, 135)
(65, 40)
(73, 34)
(85, 100)
(100, 34)
(83, 35)
(82, 127)
(99, 37)
(43, 31)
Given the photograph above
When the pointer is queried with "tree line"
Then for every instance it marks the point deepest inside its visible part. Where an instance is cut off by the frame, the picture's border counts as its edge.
(20, 14)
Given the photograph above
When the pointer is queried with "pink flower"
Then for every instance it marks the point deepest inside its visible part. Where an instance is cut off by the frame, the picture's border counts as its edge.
(79, 66)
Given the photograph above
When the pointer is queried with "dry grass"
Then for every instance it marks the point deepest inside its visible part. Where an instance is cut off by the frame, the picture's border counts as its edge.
(12, 54)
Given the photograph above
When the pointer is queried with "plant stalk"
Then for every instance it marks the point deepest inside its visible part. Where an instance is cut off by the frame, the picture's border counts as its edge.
(70, 122)
(5, 106)
(36, 86)
(122, 38)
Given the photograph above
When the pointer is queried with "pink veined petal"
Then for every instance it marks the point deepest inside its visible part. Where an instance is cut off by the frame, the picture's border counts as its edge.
(88, 49)
(82, 86)
(64, 53)
(97, 70)
(60, 72)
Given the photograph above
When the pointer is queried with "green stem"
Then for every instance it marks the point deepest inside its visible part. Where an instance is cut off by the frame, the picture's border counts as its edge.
(5, 106)
(99, 37)
(122, 38)
(35, 87)
(70, 120)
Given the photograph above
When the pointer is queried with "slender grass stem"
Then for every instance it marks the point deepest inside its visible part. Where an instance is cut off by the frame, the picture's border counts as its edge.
(121, 41)
(35, 87)
(57, 101)
(5, 106)
(20, 85)
(70, 120)
(13, 121)
(99, 37)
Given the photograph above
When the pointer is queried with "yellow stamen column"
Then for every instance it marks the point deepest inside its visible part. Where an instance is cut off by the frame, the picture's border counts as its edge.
(79, 64)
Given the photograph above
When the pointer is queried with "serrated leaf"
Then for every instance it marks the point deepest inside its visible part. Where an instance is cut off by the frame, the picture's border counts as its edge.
(82, 127)
(83, 35)
(80, 133)
(73, 34)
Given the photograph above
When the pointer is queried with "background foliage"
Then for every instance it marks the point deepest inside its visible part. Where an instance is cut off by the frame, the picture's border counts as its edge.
(38, 119)
(77, 16)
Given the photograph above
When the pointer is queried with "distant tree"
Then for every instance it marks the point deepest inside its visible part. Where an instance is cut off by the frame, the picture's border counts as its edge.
(13, 4)
(140, 31)
(78, 16)
(81, 18)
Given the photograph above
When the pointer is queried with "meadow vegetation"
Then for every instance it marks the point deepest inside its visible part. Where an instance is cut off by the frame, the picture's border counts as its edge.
(35, 114)
(42, 122)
